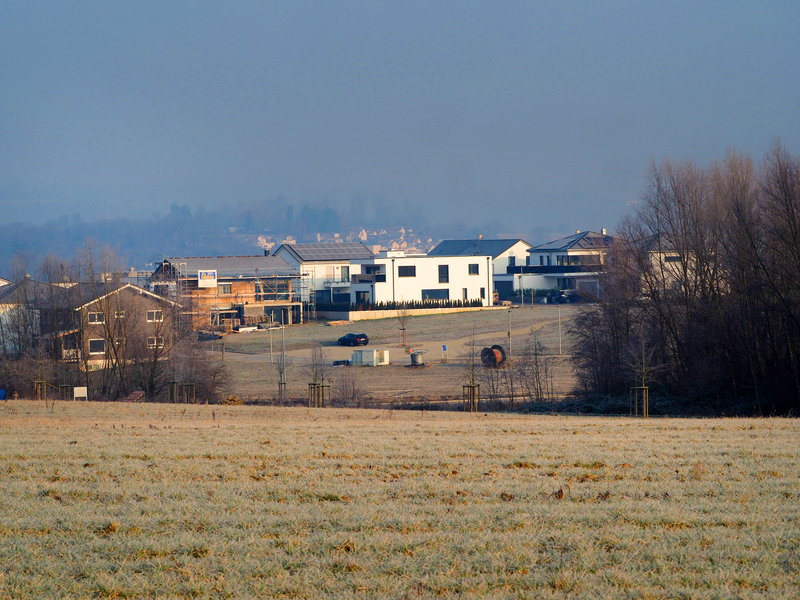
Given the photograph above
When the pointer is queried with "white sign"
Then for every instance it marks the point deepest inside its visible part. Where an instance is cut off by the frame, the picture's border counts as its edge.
(80, 392)
(207, 279)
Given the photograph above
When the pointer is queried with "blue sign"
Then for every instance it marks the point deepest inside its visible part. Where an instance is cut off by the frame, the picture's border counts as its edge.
(444, 347)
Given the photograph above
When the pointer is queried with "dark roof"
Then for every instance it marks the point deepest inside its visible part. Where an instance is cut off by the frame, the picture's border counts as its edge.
(588, 240)
(227, 267)
(39, 294)
(493, 248)
(324, 252)
(658, 242)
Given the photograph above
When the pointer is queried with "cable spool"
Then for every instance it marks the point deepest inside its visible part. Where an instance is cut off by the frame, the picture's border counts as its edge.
(493, 357)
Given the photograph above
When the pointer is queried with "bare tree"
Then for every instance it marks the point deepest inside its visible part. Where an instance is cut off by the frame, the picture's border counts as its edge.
(402, 317)
(347, 386)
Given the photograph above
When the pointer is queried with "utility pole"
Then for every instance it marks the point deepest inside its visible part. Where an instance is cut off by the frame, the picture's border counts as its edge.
(559, 331)
(509, 334)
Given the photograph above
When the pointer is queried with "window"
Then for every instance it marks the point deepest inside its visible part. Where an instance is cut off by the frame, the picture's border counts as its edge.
(444, 274)
(97, 346)
(512, 261)
(483, 293)
(473, 269)
(151, 342)
(464, 295)
(672, 258)
(436, 294)
(407, 271)
(97, 317)
(345, 274)
(541, 260)
(155, 316)
(225, 288)
(120, 314)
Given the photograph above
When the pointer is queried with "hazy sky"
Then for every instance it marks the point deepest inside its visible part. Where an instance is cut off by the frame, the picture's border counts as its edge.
(545, 114)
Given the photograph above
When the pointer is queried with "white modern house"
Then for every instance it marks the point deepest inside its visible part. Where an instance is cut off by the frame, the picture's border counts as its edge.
(394, 276)
(573, 262)
(325, 269)
(504, 252)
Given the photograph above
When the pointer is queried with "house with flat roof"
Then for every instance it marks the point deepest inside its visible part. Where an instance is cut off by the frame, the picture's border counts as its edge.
(394, 276)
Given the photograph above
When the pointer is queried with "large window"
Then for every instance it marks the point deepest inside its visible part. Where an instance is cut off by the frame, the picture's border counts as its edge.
(436, 294)
(407, 271)
(155, 316)
(97, 317)
(97, 346)
(474, 269)
(444, 274)
(225, 289)
(153, 342)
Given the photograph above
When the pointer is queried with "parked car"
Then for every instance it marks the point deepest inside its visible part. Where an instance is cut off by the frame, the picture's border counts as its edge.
(354, 339)
(570, 296)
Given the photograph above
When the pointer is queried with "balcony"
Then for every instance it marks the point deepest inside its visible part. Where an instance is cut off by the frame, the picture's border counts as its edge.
(336, 282)
(376, 278)
(554, 269)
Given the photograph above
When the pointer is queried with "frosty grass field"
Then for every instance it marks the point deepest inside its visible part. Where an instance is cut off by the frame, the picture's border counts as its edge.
(129, 501)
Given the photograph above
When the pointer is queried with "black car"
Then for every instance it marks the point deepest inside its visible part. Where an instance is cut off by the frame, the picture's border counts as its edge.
(570, 296)
(354, 339)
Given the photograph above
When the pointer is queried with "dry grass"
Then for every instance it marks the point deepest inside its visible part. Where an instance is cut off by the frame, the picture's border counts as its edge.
(112, 500)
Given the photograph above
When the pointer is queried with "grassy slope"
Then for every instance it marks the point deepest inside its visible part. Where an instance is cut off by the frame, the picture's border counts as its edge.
(154, 501)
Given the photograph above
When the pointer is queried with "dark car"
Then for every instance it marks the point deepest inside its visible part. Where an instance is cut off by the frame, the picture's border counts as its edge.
(354, 339)
(570, 296)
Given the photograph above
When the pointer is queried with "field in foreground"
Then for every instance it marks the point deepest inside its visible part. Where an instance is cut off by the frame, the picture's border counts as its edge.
(121, 500)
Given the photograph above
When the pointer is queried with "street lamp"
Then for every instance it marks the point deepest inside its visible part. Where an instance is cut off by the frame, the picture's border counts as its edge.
(509, 334)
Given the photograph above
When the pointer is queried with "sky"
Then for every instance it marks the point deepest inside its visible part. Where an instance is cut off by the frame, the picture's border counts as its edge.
(537, 114)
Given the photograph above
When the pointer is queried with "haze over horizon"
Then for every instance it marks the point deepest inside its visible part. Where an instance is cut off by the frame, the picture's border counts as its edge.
(539, 115)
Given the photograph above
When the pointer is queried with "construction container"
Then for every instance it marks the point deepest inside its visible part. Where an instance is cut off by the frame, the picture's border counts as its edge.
(370, 358)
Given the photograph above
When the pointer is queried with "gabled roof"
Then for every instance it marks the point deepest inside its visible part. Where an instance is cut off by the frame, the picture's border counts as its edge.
(658, 242)
(115, 290)
(588, 240)
(39, 294)
(327, 252)
(227, 267)
(493, 248)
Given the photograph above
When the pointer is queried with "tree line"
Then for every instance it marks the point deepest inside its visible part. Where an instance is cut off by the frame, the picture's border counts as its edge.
(701, 294)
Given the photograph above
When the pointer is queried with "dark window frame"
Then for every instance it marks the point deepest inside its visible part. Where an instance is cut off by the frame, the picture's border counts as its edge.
(407, 271)
(94, 342)
(444, 273)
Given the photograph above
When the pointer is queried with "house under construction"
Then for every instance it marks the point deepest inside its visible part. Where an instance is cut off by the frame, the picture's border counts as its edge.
(230, 291)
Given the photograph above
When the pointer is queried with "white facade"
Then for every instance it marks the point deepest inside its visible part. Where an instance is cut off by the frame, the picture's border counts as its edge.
(327, 281)
(397, 277)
